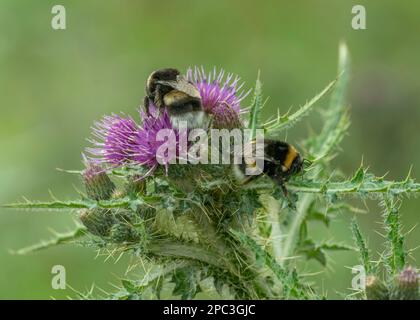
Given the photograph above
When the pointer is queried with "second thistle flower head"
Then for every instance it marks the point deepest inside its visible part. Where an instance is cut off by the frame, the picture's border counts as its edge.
(221, 96)
(120, 140)
(116, 140)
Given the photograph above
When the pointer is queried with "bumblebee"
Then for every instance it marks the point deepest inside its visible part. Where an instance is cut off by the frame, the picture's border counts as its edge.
(281, 161)
(167, 88)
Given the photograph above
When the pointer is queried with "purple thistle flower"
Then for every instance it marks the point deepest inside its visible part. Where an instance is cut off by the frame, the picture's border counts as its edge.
(116, 140)
(147, 144)
(221, 96)
(120, 140)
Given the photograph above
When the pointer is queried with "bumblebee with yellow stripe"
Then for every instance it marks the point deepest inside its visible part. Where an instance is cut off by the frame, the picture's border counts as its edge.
(281, 161)
(167, 88)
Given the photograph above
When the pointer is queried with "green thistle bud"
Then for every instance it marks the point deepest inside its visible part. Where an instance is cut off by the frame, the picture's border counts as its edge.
(98, 221)
(406, 285)
(124, 232)
(375, 289)
(97, 183)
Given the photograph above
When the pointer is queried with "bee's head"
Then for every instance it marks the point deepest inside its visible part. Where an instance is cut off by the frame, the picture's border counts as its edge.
(167, 74)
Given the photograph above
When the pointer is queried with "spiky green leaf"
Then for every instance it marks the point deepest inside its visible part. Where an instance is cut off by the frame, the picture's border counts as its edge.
(58, 239)
(361, 245)
(256, 106)
(275, 126)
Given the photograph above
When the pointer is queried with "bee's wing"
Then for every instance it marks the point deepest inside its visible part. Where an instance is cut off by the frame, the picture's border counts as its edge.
(182, 85)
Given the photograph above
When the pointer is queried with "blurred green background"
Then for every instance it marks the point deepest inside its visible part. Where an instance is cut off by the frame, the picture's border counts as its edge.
(55, 83)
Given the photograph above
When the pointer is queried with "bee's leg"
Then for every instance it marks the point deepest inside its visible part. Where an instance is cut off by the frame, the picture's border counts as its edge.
(146, 104)
(158, 96)
(281, 183)
(284, 189)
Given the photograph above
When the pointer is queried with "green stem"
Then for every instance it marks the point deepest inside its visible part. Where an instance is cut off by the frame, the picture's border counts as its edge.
(273, 215)
(302, 209)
